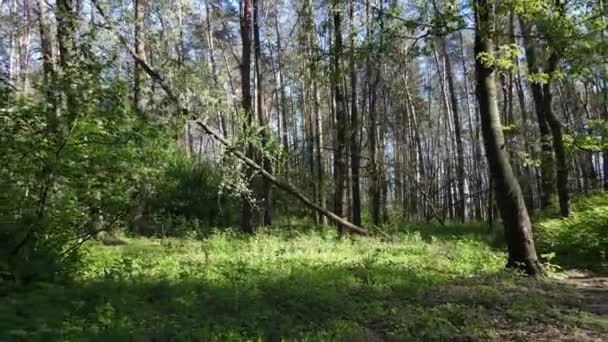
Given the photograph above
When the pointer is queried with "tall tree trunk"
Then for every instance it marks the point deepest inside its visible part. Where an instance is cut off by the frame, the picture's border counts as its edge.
(282, 98)
(558, 144)
(318, 120)
(475, 142)
(355, 150)
(221, 120)
(46, 40)
(262, 116)
(556, 129)
(547, 164)
(461, 207)
(340, 169)
(528, 170)
(373, 79)
(246, 101)
(13, 58)
(141, 14)
(48, 63)
(518, 232)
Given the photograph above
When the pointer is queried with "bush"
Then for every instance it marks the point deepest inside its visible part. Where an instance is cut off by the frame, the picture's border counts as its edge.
(581, 239)
(187, 198)
(62, 183)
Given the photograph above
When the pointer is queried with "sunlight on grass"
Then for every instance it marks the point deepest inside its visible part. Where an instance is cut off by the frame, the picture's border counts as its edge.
(304, 286)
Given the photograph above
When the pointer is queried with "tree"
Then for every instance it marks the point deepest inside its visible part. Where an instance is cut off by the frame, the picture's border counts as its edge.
(509, 197)
(340, 112)
(460, 164)
(141, 15)
(246, 99)
(355, 148)
(262, 115)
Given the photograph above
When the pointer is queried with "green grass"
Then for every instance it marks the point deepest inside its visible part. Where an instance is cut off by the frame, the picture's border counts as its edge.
(292, 286)
(580, 240)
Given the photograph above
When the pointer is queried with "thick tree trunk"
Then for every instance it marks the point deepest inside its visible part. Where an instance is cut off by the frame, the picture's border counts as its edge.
(518, 232)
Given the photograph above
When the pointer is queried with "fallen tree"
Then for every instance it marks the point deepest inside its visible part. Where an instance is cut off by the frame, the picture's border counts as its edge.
(285, 186)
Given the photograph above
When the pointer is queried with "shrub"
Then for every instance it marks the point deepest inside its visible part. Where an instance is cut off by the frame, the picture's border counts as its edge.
(582, 238)
(187, 198)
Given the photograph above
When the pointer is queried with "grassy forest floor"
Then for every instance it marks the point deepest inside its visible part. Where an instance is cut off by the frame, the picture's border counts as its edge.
(306, 285)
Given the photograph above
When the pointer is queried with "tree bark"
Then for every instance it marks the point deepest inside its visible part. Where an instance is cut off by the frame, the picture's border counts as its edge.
(461, 206)
(556, 128)
(547, 163)
(46, 41)
(141, 14)
(214, 69)
(246, 101)
(340, 169)
(262, 115)
(518, 232)
(355, 150)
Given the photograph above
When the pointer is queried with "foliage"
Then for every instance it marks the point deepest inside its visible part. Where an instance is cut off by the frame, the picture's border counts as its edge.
(70, 171)
(286, 284)
(580, 240)
(189, 192)
(63, 183)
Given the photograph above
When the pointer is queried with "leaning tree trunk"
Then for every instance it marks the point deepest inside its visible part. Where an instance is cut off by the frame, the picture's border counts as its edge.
(518, 233)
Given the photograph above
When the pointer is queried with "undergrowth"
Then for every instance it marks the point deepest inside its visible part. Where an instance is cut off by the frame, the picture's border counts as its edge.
(581, 240)
(282, 284)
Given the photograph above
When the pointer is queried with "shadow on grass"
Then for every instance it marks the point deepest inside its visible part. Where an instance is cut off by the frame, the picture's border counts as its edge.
(371, 303)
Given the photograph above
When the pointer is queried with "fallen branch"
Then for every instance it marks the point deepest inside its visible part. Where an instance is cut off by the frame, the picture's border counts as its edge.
(288, 188)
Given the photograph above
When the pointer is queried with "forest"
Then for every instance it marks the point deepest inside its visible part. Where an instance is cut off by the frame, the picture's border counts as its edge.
(303, 170)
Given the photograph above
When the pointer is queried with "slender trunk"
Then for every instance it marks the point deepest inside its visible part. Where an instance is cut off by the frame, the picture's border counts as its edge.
(340, 169)
(221, 120)
(13, 58)
(262, 116)
(518, 232)
(558, 142)
(461, 207)
(246, 101)
(141, 13)
(556, 129)
(528, 170)
(48, 62)
(282, 99)
(355, 151)
(546, 161)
